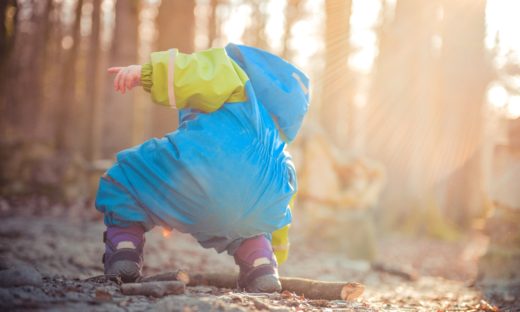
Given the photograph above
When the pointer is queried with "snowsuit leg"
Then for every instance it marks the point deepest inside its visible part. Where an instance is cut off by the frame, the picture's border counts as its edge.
(120, 208)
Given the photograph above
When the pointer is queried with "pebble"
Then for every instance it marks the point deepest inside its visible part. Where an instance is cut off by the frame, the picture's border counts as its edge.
(508, 297)
(6, 298)
(20, 276)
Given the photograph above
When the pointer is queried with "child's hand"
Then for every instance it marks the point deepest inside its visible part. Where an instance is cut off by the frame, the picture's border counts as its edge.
(126, 77)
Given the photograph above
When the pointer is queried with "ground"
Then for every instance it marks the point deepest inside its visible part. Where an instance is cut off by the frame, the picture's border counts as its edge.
(54, 251)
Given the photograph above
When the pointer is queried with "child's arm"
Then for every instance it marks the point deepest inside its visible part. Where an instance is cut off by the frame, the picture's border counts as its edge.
(203, 80)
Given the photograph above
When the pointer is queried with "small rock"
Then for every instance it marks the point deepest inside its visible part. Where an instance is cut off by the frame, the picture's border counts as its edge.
(20, 276)
(4, 263)
(103, 294)
(508, 297)
(6, 298)
(4, 206)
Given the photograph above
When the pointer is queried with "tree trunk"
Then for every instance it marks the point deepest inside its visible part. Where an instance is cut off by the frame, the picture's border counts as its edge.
(213, 23)
(68, 103)
(93, 137)
(425, 111)
(465, 73)
(499, 266)
(178, 32)
(293, 12)
(45, 113)
(400, 128)
(24, 67)
(254, 34)
(336, 107)
(8, 32)
(118, 111)
(8, 11)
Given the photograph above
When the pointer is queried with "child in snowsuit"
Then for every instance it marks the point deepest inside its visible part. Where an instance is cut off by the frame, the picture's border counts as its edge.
(224, 175)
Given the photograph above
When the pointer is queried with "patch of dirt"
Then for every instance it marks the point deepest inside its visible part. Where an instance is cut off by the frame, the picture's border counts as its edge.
(66, 251)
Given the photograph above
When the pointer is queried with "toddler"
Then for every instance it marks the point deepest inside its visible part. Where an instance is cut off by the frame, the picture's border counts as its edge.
(224, 175)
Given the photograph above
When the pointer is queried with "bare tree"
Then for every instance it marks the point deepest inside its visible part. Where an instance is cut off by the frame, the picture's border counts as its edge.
(65, 113)
(93, 71)
(23, 67)
(336, 80)
(213, 23)
(177, 33)
(400, 121)
(465, 73)
(293, 12)
(426, 104)
(8, 14)
(117, 113)
(8, 30)
(255, 34)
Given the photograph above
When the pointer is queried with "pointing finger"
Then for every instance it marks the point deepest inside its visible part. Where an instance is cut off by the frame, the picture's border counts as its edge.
(116, 79)
(114, 70)
(121, 80)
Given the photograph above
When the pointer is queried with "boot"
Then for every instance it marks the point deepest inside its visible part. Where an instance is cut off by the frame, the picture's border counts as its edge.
(258, 266)
(123, 255)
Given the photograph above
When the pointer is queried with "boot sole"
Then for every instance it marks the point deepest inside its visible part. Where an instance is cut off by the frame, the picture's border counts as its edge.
(129, 271)
(265, 284)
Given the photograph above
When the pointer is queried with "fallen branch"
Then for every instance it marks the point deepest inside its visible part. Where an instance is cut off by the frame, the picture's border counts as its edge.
(313, 289)
(220, 280)
(310, 289)
(154, 289)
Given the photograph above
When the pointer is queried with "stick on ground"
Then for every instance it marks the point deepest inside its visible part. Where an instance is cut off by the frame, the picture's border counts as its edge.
(313, 289)
(310, 289)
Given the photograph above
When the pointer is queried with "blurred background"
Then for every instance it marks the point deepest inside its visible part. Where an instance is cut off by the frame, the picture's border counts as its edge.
(414, 123)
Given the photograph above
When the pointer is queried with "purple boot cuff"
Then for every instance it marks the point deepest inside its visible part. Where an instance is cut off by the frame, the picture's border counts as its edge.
(134, 234)
(254, 248)
(261, 276)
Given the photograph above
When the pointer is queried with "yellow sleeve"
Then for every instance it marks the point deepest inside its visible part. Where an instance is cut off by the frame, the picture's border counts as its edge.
(280, 240)
(203, 80)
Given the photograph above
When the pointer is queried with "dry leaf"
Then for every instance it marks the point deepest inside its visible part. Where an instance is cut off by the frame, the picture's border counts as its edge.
(103, 295)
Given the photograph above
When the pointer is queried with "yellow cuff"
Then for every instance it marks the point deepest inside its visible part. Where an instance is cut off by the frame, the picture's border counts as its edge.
(146, 77)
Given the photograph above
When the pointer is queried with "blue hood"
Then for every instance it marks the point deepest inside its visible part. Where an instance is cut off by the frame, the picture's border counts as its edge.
(279, 86)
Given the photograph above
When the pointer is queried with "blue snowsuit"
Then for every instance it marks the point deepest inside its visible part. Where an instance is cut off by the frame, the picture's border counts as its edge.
(225, 174)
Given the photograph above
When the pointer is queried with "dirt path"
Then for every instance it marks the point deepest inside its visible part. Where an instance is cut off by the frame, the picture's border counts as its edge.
(54, 255)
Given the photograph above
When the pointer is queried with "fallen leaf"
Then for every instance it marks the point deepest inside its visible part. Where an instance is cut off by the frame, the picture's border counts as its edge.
(103, 295)
(286, 294)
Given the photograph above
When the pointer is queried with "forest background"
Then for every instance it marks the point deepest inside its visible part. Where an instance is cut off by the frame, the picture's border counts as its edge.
(414, 120)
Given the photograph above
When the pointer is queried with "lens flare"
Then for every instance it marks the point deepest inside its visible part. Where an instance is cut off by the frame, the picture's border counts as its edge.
(166, 233)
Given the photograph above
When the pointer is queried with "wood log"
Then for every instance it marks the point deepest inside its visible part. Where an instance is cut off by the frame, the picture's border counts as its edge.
(313, 289)
(310, 289)
(154, 289)
(178, 275)
(220, 280)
